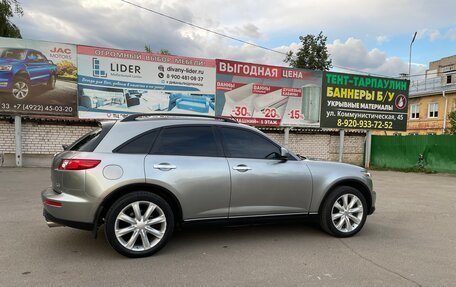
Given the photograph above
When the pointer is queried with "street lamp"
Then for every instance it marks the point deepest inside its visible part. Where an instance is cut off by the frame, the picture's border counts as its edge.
(410, 55)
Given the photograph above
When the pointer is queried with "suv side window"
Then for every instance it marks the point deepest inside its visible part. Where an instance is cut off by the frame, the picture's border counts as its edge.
(138, 145)
(188, 141)
(242, 143)
(41, 57)
(33, 56)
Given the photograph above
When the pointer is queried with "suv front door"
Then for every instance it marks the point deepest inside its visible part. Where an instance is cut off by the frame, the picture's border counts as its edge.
(261, 183)
(188, 160)
(37, 68)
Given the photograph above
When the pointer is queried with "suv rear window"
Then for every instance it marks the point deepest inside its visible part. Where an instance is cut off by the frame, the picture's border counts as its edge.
(86, 142)
(90, 141)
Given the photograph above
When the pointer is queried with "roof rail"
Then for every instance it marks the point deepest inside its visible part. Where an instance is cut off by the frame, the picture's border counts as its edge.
(133, 117)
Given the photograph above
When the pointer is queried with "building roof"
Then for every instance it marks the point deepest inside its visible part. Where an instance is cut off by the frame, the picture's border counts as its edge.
(430, 87)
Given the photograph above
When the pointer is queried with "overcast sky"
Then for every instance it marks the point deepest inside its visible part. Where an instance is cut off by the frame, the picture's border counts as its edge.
(372, 36)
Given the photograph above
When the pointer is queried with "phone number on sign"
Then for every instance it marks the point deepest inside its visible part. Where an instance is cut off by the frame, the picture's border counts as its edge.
(39, 108)
(346, 123)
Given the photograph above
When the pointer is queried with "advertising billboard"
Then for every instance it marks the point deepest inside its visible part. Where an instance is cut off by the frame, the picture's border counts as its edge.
(114, 83)
(364, 102)
(37, 77)
(264, 95)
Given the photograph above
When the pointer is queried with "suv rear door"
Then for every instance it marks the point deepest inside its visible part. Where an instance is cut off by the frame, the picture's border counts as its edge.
(188, 160)
(262, 184)
(62, 180)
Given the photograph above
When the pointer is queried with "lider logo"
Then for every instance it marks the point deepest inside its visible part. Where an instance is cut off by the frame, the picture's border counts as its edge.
(97, 71)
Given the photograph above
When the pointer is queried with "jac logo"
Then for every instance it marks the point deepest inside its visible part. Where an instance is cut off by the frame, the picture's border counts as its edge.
(60, 50)
(57, 53)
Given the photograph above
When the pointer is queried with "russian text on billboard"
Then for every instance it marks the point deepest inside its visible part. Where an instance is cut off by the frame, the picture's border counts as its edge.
(113, 83)
(363, 102)
(268, 95)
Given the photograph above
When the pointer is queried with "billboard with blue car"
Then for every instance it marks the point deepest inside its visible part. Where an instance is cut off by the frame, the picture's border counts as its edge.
(114, 83)
(37, 77)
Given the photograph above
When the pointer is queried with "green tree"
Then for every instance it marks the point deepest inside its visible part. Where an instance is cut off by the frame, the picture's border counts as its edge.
(9, 8)
(162, 51)
(313, 55)
(452, 123)
(147, 48)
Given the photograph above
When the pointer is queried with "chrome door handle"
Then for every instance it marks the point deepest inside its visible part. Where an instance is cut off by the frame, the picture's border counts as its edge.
(164, 166)
(242, 168)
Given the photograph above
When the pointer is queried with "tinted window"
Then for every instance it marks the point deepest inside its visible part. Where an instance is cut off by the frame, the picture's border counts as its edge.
(139, 144)
(90, 141)
(86, 142)
(41, 57)
(190, 141)
(34, 57)
(245, 144)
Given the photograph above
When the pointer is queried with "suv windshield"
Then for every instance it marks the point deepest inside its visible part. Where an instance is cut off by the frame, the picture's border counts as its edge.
(17, 54)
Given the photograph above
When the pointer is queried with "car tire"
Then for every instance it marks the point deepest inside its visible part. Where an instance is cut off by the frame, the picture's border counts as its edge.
(51, 82)
(21, 88)
(134, 233)
(344, 212)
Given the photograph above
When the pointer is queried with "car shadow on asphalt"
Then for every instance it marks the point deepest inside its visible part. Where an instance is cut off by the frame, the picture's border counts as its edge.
(199, 238)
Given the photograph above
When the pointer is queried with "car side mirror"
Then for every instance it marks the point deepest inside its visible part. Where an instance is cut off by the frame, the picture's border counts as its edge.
(283, 154)
(65, 146)
(50, 62)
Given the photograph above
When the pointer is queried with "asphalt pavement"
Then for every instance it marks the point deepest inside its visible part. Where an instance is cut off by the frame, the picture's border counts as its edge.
(409, 241)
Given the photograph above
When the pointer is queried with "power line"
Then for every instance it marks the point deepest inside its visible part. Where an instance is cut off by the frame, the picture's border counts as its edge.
(359, 71)
(202, 28)
(234, 38)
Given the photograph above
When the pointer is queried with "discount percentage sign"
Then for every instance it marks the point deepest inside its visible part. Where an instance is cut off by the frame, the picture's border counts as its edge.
(240, 111)
(296, 114)
(270, 113)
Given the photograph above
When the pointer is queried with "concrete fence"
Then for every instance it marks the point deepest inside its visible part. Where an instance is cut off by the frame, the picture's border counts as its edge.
(41, 139)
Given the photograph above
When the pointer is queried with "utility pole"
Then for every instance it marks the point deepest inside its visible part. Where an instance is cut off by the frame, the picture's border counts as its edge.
(410, 55)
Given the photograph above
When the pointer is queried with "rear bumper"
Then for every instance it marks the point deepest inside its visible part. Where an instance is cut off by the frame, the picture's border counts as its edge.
(74, 211)
(69, 223)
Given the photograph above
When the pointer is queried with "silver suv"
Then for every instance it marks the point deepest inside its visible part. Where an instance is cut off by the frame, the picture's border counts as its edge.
(146, 173)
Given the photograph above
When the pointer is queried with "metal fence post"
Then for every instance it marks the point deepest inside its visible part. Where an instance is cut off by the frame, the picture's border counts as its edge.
(367, 152)
(286, 137)
(18, 139)
(341, 145)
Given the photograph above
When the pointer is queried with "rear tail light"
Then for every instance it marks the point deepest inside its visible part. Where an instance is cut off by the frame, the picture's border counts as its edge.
(52, 203)
(78, 164)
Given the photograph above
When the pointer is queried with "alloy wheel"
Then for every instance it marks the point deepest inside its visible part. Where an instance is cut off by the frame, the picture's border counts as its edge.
(140, 225)
(20, 90)
(347, 213)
